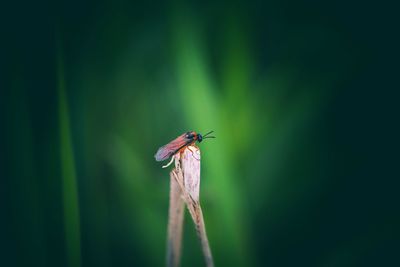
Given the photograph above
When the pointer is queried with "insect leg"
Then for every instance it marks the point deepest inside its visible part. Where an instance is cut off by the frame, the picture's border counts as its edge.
(192, 153)
(169, 163)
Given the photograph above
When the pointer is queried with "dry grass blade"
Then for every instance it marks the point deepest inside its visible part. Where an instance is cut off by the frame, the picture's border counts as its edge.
(175, 224)
(187, 175)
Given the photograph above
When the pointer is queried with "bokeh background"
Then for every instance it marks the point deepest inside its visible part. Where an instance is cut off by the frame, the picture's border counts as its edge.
(300, 174)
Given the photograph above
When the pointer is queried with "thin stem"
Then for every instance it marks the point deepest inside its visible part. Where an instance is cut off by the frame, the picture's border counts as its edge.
(175, 224)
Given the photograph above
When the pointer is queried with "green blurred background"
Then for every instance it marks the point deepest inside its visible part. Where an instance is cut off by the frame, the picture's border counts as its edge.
(299, 174)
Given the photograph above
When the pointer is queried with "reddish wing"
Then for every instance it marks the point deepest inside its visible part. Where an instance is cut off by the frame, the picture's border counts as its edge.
(172, 147)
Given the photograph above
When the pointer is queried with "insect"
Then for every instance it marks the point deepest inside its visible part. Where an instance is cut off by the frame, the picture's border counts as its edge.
(179, 143)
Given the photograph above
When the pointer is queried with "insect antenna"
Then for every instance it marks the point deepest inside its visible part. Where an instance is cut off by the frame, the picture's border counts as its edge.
(206, 135)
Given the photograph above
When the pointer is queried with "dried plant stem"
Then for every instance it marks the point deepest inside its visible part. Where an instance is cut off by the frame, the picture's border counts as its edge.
(197, 216)
(186, 175)
(175, 224)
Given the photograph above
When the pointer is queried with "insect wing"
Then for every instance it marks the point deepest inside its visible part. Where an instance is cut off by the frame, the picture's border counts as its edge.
(163, 153)
(171, 148)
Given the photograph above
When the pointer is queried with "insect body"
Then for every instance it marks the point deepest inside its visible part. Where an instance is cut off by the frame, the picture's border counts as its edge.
(179, 143)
